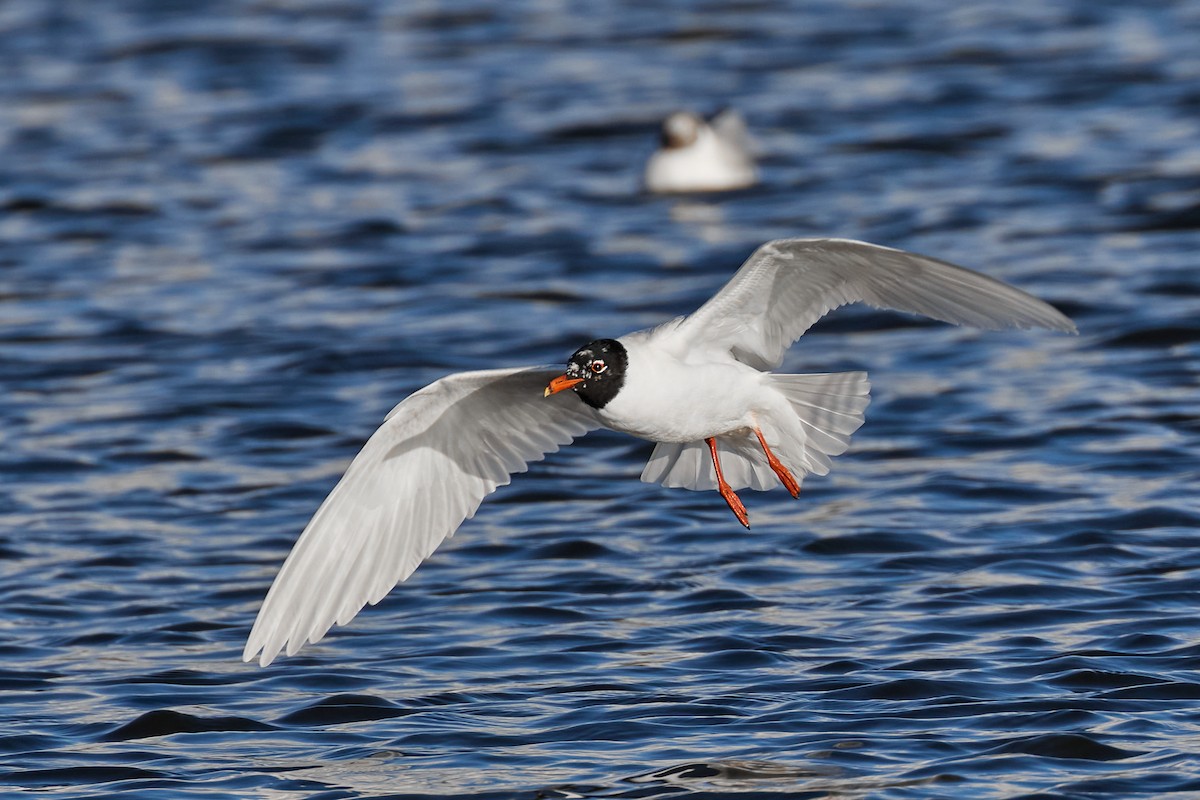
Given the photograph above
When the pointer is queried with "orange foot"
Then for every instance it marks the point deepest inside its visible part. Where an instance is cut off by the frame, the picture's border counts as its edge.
(735, 504)
(732, 500)
(783, 473)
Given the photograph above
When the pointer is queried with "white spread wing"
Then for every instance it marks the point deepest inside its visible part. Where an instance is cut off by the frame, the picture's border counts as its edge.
(424, 471)
(788, 284)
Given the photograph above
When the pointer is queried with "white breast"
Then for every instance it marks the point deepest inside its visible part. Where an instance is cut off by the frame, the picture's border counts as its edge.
(666, 398)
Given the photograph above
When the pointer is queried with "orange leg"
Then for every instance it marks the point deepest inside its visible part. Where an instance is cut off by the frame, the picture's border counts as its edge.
(731, 499)
(789, 480)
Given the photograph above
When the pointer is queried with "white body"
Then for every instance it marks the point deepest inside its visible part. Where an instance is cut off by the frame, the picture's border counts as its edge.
(662, 383)
(806, 419)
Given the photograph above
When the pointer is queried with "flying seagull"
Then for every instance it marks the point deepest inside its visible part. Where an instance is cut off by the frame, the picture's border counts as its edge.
(700, 387)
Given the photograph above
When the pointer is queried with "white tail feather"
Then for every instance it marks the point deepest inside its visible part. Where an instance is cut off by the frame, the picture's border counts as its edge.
(829, 408)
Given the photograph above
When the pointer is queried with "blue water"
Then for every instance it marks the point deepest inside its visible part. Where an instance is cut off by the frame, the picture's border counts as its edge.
(234, 234)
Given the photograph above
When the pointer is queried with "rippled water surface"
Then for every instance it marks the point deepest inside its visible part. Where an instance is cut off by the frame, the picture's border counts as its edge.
(234, 234)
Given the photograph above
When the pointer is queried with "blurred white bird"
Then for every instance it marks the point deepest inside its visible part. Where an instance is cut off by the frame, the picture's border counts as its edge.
(700, 156)
(698, 386)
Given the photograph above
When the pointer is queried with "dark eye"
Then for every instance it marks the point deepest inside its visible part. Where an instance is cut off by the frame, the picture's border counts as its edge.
(597, 366)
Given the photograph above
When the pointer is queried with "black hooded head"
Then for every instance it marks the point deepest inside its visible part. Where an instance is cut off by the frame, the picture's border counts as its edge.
(600, 365)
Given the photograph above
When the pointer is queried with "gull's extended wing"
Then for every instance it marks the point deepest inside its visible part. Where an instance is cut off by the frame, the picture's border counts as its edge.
(424, 471)
(788, 284)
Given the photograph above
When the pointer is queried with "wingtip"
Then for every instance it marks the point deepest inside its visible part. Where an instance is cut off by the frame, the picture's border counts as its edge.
(264, 659)
(1059, 322)
(260, 651)
(1063, 325)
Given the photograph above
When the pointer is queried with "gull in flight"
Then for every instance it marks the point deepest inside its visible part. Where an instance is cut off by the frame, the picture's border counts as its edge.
(699, 386)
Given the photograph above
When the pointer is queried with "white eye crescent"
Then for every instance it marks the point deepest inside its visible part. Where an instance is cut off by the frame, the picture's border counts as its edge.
(597, 366)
